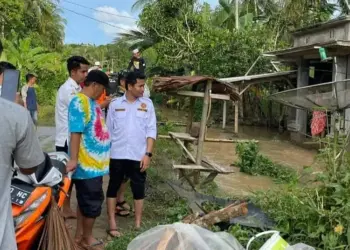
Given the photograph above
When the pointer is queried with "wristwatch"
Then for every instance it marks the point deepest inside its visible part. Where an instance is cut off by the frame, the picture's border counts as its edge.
(149, 154)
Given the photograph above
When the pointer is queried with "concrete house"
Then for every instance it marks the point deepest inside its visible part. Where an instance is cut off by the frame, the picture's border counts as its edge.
(313, 67)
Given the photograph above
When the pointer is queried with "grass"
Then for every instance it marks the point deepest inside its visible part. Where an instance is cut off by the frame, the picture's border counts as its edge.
(46, 116)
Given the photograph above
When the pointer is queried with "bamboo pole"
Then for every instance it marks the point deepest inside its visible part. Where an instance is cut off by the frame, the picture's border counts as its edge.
(224, 115)
(191, 112)
(203, 128)
(236, 116)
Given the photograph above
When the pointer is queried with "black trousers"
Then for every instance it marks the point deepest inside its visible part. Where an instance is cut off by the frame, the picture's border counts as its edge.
(62, 149)
(121, 169)
(65, 149)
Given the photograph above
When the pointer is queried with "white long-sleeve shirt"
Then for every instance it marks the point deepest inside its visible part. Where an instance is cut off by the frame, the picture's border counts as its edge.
(129, 125)
(64, 95)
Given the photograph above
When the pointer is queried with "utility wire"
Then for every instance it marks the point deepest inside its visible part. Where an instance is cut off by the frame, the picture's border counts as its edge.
(109, 13)
(80, 14)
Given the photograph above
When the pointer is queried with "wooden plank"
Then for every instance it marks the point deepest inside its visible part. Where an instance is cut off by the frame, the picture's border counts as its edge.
(210, 164)
(189, 167)
(172, 123)
(224, 113)
(185, 149)
(201, 95)
(229, 140)
(184, 176)
(209, 178)
(164, 137)
(182, 136)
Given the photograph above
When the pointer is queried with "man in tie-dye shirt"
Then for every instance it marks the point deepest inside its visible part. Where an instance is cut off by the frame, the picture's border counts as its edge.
(89, 151)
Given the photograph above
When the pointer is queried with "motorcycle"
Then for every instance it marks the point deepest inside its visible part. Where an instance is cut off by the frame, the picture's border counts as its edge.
(31, 197)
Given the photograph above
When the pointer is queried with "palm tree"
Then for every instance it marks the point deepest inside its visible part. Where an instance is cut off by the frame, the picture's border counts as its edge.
(343, 6)
(138, 39)
(139, 4)
(46, 16)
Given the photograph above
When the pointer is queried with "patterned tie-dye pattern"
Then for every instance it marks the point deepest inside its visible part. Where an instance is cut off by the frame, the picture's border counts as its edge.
(85, 116)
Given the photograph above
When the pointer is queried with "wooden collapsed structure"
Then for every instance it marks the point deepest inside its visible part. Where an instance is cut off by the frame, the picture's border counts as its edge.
(207, 88)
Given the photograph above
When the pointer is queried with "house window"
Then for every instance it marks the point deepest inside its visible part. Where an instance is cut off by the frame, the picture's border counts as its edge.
(331, 33)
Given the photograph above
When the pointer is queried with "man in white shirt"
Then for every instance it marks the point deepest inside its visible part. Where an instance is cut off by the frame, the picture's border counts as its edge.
(78, 69)
(133, 129)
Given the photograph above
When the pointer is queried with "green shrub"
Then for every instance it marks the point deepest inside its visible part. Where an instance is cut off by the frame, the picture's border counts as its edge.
(252, 162)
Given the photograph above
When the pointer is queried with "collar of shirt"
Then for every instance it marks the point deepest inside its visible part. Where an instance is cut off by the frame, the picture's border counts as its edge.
(126, 100)
(74, 83)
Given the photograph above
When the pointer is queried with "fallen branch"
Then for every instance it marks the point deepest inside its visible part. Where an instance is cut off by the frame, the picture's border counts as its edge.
(222, 215)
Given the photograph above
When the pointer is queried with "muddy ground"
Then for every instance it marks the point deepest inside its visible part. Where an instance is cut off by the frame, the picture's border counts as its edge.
(237, 184)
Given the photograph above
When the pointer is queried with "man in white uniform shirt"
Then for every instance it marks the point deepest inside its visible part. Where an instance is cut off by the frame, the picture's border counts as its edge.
(132, 124)
(78, 69)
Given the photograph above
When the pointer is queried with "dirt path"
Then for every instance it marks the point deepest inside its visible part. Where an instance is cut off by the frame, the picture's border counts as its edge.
(46, 137)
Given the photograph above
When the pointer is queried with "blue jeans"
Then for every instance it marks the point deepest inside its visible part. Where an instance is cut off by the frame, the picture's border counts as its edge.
(34, 115)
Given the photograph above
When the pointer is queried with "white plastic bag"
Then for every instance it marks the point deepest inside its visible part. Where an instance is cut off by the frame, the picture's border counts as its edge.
(300, 246)
(180, 236)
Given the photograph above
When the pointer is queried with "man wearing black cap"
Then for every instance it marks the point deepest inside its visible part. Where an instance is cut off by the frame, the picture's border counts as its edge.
(89, 153)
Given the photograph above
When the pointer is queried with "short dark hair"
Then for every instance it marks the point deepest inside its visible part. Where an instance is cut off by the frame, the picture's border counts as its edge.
(74, 63)
(29, 76)
(130, 79)
(6, 65)
(97, 76)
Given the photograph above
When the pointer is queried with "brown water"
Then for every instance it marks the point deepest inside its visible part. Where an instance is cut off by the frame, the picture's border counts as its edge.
(271, 144)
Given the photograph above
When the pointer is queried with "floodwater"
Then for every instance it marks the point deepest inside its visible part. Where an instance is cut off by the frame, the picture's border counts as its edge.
(271, 144)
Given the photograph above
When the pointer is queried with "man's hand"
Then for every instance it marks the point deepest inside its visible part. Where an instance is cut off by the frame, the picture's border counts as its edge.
(18, 99)
(144, 165)
(71, 165)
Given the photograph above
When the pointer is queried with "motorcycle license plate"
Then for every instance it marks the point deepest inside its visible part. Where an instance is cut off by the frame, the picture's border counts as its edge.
(19, 196)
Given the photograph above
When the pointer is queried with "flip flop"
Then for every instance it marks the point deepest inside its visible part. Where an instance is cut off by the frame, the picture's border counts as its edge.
(109, 233)
(93, 246)
(122, 213)
(120, 210)
(120, 205)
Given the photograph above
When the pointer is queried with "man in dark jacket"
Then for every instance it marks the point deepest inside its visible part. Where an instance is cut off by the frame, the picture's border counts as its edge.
(137, 63)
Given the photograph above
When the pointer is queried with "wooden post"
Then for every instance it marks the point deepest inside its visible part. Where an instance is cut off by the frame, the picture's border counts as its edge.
(224, 115)
(236, 116)
(202, 128)
(191, 112)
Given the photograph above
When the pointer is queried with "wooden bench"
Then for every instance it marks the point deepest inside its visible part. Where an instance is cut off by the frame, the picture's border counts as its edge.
(189, 170)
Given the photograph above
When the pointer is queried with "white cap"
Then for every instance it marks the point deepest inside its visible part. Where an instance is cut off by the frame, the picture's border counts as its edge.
(135, 51)
(97, 63)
